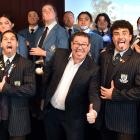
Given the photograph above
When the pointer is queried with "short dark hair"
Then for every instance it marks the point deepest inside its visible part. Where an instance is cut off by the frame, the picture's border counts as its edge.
(80, 34)
(9, 31)
(122, 24)
(87, 13)
(68, 12)
(8, 16)
(106, 18)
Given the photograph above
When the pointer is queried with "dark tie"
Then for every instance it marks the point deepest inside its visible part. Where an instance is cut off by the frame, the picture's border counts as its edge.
(102, 33)
(32, 31)
(70, 32)
(7, 63)
(7, 66)
(42, 38)
(116, 59)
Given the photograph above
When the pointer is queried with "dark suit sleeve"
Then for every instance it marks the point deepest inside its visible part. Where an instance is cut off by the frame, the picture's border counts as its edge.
(132, 93)
(94, 90)
(48, 70)
(27, 87)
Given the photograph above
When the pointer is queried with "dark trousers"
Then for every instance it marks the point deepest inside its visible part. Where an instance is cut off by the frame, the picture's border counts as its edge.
(58, 128)
(3, 130)
(112, 135)
(18, 138)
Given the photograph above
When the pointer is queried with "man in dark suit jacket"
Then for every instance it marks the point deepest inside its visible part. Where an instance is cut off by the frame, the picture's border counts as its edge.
(16, 86)
(72, 90)
(120, 85)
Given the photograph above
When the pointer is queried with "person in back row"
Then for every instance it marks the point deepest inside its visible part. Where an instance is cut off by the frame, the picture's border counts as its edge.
(84, 22)
(7, 23)
(30, 32)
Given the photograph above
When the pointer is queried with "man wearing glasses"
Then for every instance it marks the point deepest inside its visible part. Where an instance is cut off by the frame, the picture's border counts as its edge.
(71, 91)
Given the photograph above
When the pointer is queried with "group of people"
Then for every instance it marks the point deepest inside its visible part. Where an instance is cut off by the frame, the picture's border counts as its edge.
(69, 77)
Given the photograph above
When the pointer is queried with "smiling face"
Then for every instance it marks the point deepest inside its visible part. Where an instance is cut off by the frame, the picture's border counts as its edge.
(9, 44)
(33, 18)
(84, 20)
(102, 23)
(5, 24)
(121, 38)
(80, 48)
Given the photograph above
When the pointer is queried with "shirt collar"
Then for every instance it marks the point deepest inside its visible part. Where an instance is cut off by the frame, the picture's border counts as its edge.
(35, 28)
(121, 53)
(105, 30)
(71, 59)
(51, 25)
(5, 58)
(69, 28)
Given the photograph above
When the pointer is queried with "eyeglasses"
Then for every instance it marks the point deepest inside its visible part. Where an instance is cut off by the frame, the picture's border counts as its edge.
(83, 45)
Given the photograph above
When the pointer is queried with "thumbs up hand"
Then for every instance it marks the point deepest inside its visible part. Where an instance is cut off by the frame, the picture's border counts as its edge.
(91, 115)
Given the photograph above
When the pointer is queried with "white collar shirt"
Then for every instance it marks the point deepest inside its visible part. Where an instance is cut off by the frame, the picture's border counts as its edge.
(58, 99)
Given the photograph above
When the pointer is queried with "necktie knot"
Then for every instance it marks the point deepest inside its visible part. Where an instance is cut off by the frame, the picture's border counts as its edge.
(116, 59)
(70, 32)
(102, 33)
(32, 31)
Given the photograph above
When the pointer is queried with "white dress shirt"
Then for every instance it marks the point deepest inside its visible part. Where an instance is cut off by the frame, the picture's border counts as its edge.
(48, 30)
(34, 28)
(58, 99)
(5, 58)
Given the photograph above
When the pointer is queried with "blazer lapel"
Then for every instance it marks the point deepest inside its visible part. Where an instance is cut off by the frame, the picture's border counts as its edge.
(82, 69)
(2, 67)
(123, 60)
(14, 62)
(106, 62)
(50, 36)
(63, 66)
